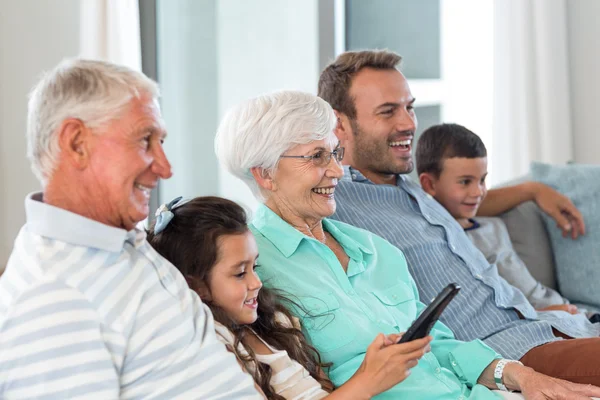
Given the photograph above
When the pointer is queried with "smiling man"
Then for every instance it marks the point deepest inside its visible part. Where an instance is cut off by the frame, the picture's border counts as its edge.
(376, 125)
(87, 308)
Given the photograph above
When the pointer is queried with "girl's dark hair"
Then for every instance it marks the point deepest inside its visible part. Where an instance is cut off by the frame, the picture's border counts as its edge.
(191, 243)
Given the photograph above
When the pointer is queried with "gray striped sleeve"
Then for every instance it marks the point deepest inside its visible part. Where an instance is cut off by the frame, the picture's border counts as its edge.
(53, 345)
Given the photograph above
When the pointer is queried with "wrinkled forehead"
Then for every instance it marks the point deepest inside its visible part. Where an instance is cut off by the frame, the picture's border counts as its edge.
(330, 143)
(150, 107)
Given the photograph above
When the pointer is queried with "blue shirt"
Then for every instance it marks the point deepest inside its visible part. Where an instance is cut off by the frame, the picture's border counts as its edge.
(89, 311)
(439, 252)
(342, 312)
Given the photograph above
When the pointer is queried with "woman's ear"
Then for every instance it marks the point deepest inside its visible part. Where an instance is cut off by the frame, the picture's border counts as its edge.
(198, 286)
(263, 177)
(428, 183)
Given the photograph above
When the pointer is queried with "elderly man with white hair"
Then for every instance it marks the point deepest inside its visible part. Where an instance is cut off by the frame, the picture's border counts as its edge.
(87, 308)
(349, 284)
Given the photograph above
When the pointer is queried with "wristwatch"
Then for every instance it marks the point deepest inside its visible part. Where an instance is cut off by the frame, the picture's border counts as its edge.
(499, 371)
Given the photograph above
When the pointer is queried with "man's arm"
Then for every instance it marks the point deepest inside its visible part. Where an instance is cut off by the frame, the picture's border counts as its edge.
(559, 207)
(52, 345)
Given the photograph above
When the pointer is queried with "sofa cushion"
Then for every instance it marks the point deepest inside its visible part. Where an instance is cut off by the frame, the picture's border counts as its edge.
(530, 240)
(577, 261)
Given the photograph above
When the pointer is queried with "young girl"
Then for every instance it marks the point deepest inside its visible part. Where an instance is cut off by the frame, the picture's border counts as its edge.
(208, 240)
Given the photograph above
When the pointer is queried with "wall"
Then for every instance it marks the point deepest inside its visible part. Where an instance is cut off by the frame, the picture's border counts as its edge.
(187, 72)
(214, 54)
(264, 45)
(584, 59)
(34, 36)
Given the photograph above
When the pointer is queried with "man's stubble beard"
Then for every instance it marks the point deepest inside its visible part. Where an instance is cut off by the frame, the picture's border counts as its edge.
(374, 156)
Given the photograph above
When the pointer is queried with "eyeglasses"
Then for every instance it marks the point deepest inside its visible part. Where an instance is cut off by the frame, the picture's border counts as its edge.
(322, 158)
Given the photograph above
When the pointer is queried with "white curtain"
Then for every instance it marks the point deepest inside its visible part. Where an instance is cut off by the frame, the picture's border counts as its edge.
(532, 117)
(110, 31)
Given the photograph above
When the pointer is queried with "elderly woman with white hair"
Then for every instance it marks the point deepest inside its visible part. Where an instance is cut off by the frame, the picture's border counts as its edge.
(350, 284)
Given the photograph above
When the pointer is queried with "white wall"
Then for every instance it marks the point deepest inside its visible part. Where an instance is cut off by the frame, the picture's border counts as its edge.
(214, 54)
(187, 72)
(263, 46)
(584, 58)
(34, 36)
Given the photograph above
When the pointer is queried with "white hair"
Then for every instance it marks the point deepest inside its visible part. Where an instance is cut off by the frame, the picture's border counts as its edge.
(257, 132)
(95, 92)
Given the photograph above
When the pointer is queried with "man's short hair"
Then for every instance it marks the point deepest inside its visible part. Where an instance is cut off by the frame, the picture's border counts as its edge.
(336, 78)
(440, 142)
(92, 91)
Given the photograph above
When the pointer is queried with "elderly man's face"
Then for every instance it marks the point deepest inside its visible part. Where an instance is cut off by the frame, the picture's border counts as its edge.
(304, 189)
(381, 137)
(126, 162)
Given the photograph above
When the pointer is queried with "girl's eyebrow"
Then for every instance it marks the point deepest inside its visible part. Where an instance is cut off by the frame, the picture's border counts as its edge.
(239, 264)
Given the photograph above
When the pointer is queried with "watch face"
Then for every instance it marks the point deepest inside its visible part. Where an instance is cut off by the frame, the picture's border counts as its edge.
(499, 371)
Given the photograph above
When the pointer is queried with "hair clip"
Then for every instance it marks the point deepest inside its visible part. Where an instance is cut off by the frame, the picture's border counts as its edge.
(164, 214)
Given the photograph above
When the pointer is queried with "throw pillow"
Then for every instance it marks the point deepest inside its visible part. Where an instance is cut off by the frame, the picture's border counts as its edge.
(577, 261)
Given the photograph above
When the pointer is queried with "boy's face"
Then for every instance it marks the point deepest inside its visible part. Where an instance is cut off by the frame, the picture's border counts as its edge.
(460, 187)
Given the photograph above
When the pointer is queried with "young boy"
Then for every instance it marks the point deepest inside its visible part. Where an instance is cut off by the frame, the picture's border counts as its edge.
(452, 167)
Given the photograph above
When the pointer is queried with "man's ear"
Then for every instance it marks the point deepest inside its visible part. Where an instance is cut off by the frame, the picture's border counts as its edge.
(428, 182)
(263, 177)
(74, 142)
(342, 129)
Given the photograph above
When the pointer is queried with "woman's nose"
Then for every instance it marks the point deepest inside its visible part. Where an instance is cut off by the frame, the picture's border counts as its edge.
(335, 168)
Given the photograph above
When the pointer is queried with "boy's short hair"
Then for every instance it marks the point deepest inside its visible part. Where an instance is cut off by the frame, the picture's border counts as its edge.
(440, 142)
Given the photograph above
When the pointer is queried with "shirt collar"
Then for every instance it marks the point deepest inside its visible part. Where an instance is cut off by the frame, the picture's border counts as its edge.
(284, 236)
(354, 175)
(351, 246)
(287, 238)
(475, 225)
(56, 223)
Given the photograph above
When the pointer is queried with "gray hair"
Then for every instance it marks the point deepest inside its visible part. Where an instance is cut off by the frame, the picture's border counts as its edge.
(257, 132)
(95, 92)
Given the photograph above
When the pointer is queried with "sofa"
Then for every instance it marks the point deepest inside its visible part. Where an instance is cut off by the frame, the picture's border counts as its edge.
(532, 243)
(530, 240)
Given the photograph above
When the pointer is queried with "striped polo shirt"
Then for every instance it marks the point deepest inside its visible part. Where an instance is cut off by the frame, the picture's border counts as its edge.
(92, 311)
(439, 252)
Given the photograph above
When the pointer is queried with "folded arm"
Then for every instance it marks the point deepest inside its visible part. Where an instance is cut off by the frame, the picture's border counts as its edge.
(559, 207)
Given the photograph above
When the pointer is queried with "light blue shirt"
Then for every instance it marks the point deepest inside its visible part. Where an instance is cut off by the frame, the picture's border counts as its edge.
(342, 312)
(89, 311)
(438, 252)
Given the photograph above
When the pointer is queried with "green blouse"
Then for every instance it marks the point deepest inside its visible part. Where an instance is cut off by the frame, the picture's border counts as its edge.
(342, 312)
